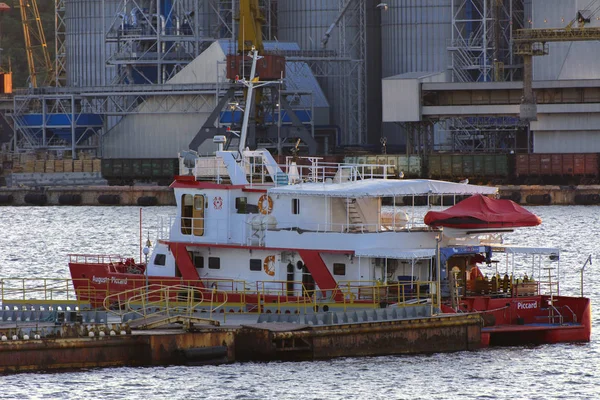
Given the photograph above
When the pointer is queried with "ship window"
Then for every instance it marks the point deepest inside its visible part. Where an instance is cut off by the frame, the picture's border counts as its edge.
(198, 221)
(214, 263)
(160, 259)
(339, 269)
(255, 264)
(296, 206)
(187, 214)
(240, 204)
(198, 261)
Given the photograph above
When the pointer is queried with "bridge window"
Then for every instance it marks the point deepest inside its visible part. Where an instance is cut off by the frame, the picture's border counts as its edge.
(187, 213)
(296, 206)
(198, 221)
(192, 214)
(160, 259)
(255, 265)
(339, 269)
(214, 263)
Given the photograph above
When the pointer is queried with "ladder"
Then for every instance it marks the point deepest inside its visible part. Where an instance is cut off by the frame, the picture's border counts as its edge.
(355, 219)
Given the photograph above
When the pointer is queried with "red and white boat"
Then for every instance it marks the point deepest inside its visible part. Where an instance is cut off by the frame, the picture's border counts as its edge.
(253, 236)
(318, 238)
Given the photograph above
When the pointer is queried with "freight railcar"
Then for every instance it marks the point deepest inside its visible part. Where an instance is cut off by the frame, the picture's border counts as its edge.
(410, 166)
(557, 169)
(127, 171)
(478, 168)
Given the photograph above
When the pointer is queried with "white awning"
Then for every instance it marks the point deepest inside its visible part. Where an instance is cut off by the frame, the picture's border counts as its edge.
(382, 188)
(524, 250)
(401, 254)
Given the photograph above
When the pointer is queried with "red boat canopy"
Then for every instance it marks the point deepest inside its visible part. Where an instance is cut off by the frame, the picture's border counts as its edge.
(480, 212)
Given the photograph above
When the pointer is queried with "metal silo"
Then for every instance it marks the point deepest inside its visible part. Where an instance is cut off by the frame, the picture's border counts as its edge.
(306, 21)
(86, 24)
(340, 69)
(415, 35)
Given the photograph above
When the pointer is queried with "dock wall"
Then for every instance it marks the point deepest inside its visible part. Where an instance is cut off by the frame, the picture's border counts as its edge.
(415, 336)
(92, 195)
(151, 348)
(258, 342)
(163, 195)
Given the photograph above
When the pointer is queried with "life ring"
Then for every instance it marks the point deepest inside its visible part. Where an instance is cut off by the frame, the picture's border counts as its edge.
(265, 204)
(269, 265)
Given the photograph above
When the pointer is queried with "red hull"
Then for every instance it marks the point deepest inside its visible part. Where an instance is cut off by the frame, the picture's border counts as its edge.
(529, 320)
(94, 282)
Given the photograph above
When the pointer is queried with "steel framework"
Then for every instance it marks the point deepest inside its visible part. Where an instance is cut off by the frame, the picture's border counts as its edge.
(481, 42)
(150, 47)
(483, 134)
(36, 48)
(150, 50)
(60, 44)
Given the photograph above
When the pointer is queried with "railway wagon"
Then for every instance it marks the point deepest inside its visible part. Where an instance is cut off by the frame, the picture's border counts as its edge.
(410, 166)
(483, 167)
(127, 171)
(557, 168)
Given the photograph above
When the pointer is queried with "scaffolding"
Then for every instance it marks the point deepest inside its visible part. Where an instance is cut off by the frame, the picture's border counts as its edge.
(147, 42)
(481, 50)
(481, 42)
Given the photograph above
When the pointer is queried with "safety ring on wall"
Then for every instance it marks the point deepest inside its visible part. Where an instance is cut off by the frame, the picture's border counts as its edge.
(269, 265)
(265, 204)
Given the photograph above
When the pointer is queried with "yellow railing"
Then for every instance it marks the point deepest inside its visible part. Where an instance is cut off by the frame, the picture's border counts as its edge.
(400, 293)
(155, 300)
(215, 295)
(37, 290)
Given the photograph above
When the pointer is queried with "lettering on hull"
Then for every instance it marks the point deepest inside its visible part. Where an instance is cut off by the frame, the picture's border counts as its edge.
(104, 279)
(527, 305)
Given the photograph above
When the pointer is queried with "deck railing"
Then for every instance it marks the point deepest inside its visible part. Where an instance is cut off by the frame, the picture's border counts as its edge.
(213, 295)
(294, 171)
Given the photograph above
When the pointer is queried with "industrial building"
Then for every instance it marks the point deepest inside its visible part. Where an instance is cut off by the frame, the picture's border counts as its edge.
(141, 78)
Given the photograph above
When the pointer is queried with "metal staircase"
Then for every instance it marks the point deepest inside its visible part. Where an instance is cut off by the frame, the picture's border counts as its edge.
(355, 218)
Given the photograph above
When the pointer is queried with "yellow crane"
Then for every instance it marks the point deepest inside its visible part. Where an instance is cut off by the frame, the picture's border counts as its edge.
(251, 21)
(36, 48)
(534, 42)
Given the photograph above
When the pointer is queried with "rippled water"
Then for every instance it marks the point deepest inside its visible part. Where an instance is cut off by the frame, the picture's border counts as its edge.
(35, 241)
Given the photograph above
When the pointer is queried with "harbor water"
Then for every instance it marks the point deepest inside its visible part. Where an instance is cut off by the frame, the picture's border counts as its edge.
(36, 241)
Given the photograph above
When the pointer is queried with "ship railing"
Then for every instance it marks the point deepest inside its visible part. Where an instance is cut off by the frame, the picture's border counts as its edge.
(36, 293)
(166, 300)
(260, 172)
(96, 258)
(328, 172)
(200, 228)
(521, 288)
(573, 315)
(554, 315)
(297, 297)
(401, 293)
(351, 228)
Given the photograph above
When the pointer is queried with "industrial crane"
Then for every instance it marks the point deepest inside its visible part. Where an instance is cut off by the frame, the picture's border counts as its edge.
(534, 42)
(36, 48)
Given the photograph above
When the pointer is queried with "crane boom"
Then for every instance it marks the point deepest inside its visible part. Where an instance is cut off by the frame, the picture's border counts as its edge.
(36, 48)
(534, 42)
(251, 22)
